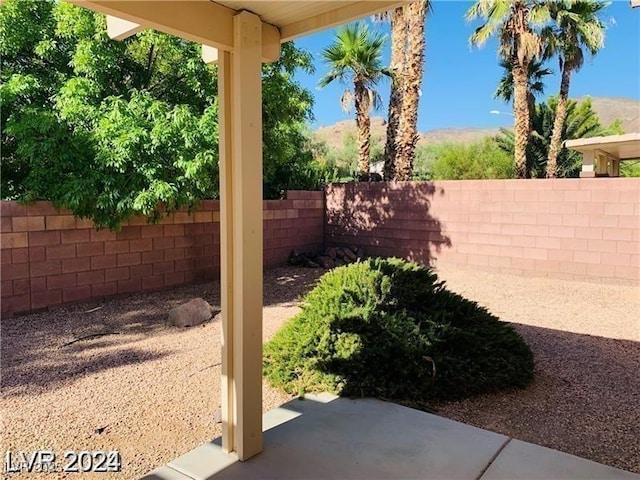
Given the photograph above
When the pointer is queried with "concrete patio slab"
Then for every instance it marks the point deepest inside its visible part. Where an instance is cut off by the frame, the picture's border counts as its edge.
(166, 473)
(526, 461)
(326, 437)
(329, 437)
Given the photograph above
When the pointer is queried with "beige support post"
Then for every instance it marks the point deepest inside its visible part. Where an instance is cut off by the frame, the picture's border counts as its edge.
(225, 122)
(588, 165)
(240, 94)
(614, 167)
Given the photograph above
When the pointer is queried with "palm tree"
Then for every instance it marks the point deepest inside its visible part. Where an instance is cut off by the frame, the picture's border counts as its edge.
(581, 122)
(535, 82)
(407, 136)
(356, 57)
(576, 26)
(398, 23)
(513, 21)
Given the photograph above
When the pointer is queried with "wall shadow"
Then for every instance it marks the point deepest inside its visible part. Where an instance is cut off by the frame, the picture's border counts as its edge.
(583, 399)
(386, 219)
(35, 349)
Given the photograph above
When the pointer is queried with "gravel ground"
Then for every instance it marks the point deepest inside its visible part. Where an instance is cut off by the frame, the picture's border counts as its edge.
(152, 391)
(585, 397)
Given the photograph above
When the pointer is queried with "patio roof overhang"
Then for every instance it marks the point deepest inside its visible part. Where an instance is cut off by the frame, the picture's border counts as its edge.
(211, 23)
(239, 35)
(601, 155)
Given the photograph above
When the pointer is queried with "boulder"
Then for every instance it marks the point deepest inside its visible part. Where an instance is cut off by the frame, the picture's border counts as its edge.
(349, 255)
(295, 258)
(330, 252)
(192, 313)
(326, 262)
(310, 263)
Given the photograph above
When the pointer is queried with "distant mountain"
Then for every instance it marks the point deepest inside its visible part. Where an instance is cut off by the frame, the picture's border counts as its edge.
(334, 134)
(459, 135)
(608, 109)
(612, 108)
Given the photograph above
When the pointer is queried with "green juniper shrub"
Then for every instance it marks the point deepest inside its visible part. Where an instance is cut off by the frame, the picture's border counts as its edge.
(390, 328)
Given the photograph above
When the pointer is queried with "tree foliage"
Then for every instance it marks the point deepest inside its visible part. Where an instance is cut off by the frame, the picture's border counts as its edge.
(343, 160)
(582, 121)
(110, 129)
(535, 85)
(482, 159)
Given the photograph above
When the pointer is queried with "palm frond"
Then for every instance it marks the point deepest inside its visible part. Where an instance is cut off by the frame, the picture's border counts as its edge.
(346, 100)
(577, 25)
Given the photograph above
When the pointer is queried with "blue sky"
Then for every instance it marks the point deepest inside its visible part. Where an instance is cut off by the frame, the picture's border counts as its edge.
(459, 82)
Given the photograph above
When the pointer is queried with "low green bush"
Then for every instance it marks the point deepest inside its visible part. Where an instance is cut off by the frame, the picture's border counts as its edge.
(390, 328)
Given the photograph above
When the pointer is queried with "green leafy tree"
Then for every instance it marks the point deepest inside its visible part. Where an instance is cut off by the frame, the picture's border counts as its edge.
(582, 121)
(630, 168)
(111, 129)
(426, 154)
(355, 58)
(344, 160)
(577, 26)
(459, 161)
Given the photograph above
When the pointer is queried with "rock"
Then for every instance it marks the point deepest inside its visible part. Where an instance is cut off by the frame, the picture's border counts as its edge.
(295, 258)
(339, 253)
(310, 263)
(326, 262)
(194, 312)
(340, 262)
(330, 252)
(349, 255)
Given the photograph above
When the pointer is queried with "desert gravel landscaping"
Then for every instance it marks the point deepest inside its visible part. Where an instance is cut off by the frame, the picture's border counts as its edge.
(152, 392)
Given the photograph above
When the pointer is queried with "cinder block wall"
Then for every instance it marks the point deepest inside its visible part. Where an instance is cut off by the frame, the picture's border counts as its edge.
(49, 257)
(583, 229)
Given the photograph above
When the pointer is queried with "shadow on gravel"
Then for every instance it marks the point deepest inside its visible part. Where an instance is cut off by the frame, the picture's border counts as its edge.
(583, 399)
(69, 367)
(287, 284)
(45, 348)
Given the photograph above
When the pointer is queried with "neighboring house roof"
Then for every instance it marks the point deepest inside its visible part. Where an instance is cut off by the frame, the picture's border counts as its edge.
(623, 147)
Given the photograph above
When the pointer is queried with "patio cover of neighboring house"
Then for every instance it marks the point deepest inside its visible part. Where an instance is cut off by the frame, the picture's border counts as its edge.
(239, 35)
(601, 156)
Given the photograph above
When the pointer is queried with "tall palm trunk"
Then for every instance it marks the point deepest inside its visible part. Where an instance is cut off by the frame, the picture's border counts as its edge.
(363, 124)
(415, 14)
(398, 44)
(558, 123)
(521, 114)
